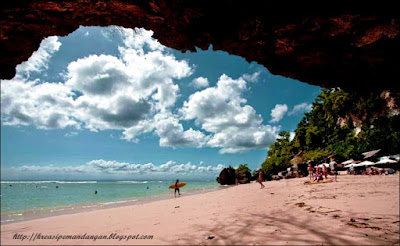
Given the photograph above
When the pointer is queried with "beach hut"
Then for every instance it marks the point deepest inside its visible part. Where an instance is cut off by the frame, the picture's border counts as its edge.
(370, 154)
(298, 158)
(299, 168)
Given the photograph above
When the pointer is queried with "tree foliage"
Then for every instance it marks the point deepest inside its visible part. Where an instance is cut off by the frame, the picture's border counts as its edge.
(243, 168)
(341, 123)
(279, 155)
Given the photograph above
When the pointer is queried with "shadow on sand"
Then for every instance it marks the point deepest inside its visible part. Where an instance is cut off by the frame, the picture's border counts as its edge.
(275, 228)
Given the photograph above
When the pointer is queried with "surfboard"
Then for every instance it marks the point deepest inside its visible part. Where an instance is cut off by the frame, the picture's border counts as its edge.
(180, 184)
(318, 182)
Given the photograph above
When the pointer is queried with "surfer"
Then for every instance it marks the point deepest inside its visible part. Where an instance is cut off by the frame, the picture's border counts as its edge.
(177, 188)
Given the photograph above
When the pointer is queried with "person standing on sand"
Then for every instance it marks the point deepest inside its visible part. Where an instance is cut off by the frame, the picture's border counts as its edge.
(325, 171)
(177, 188)
(260, 178)
(333, 168)
(310, 171)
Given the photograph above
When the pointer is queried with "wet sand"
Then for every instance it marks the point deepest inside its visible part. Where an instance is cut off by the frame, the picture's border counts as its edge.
(357, 210)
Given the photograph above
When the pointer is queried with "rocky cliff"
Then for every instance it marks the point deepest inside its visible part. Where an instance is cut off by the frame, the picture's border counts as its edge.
(327, 44)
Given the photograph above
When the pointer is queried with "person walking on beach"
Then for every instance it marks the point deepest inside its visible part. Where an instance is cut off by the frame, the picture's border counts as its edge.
(177, 188)
(260, 178)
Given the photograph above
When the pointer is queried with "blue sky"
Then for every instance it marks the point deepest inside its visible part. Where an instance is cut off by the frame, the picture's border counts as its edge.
(113, 103)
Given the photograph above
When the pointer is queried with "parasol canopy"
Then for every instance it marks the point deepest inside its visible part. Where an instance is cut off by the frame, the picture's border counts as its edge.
(348, 162)
(353, 165)
(370, 153)
(385, 160)
(366, 163)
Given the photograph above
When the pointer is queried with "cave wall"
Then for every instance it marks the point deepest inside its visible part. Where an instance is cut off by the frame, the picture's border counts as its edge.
(330, 44)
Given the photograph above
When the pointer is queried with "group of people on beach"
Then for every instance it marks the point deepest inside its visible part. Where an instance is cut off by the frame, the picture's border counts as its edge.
(321, 172)
(372, 171)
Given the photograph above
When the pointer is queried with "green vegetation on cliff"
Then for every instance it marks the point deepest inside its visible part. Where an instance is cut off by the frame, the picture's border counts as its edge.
(243, 168)
(342, 123)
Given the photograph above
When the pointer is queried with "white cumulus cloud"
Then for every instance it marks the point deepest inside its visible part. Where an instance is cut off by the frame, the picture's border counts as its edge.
(252, 77)
(300, 108)
(136, 93)
(199, 82)
(105, 169)
(172, 134)
(40, 58)
(101, 92)
(45, 105)
(278, 112)
(221, 111)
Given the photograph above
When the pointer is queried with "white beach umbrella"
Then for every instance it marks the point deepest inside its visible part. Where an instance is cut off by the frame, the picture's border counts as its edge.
(385, 160)
(366, 163)
(396, 157)
(353, 165)
(326, 164)
(348, 162)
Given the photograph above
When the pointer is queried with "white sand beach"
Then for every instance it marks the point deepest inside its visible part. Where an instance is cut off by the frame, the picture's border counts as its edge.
(356, 210)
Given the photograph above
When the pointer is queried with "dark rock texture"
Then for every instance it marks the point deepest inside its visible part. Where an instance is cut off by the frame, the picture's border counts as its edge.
(341, 43)
(227, 176)
(244, 177)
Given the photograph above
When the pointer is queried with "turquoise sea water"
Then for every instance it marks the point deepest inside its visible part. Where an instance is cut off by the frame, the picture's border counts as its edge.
(20, 198)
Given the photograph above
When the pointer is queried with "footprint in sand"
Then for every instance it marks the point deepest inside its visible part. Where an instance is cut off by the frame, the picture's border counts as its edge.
(300, 204)
(363, 225)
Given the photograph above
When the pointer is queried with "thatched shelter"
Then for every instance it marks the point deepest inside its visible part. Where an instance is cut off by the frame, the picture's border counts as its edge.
(298, 163)
(298, 158)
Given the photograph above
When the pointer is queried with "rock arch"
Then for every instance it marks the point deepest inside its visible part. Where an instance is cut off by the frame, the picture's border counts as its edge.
(327, 44)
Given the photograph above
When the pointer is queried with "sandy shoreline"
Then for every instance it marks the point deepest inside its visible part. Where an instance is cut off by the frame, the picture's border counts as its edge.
(79, 208)
(357, 210)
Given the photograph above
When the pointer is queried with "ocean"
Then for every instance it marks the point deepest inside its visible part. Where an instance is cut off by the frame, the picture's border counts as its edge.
(24, 200)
